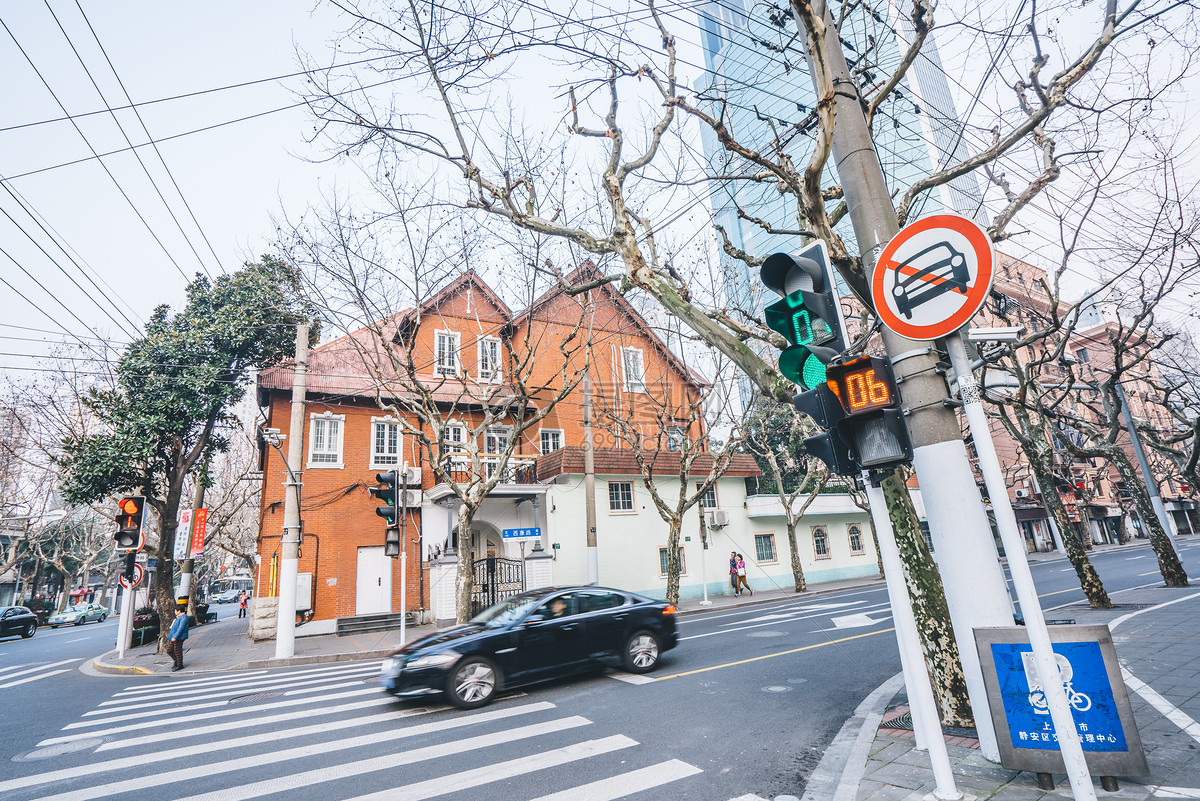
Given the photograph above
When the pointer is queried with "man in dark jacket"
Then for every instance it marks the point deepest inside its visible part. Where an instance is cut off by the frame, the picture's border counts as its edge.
(176, 636)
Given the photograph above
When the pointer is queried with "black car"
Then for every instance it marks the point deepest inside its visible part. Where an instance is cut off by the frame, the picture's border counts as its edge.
(530, 637)
(17, 620)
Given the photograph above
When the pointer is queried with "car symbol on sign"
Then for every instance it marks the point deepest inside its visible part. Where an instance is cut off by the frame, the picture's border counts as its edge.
(934, 271)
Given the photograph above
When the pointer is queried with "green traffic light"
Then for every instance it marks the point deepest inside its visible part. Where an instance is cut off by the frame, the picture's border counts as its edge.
(813, 372)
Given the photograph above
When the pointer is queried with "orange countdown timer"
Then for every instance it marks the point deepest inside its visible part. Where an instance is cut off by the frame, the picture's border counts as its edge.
(864, 387)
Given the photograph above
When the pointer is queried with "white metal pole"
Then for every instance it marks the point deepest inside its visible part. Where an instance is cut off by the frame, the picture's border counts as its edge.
(124, 623)
(1069, 744)
(926, 723)
(289, 563)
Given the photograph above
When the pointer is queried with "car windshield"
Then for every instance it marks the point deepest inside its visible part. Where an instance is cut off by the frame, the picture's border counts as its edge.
(507, 611)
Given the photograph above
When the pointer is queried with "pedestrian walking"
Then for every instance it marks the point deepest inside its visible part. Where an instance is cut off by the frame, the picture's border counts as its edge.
(243, 600)
(176, 636)
(741, 576)
(733, 574)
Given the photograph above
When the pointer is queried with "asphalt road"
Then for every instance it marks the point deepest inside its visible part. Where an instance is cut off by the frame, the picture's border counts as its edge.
(746, 705)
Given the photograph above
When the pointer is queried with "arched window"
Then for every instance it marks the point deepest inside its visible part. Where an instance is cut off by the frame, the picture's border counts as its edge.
(820, 542)
(856, 540)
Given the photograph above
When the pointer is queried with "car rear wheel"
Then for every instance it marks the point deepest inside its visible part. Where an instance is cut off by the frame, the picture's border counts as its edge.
(472, 683)
(30, 628)
(641, 652)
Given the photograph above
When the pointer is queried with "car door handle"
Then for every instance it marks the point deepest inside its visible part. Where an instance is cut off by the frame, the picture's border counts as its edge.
(568, 627)
(619, 617)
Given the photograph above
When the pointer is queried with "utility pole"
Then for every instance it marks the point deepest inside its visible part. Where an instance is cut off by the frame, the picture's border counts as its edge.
(285, 621)
(976, 592)
(589, 471)
(1148, 479)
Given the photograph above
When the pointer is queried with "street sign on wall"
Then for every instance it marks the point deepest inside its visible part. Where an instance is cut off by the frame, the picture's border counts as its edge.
(534, 532)
(1091, 677)
(933, 277)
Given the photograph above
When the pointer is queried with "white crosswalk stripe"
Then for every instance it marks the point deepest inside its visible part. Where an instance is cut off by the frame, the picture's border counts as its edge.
(309, 733)
(9, 678)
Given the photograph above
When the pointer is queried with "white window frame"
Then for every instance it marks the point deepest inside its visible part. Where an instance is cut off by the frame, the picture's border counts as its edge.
(326, 418)
(774, 548)
(633, 383)
(676, 436)
(825, 533)
(456, 341)
(494, 372)
(662, 551)
(702, 501)
(376, 454)
(496, 431)
(542, 443)
(632, 499)
(862, 543)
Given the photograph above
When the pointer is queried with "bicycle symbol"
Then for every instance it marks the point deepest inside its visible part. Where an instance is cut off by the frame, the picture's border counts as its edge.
(1080, 702)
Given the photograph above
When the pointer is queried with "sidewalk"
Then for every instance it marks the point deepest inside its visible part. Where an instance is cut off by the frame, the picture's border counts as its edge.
(225, 645)
(1156, 632)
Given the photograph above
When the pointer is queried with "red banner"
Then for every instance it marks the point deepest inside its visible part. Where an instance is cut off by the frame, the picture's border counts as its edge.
(199, 526)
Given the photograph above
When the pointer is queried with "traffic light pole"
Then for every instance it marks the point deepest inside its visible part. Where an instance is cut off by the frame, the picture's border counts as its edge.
(975, 589)
(289, 564)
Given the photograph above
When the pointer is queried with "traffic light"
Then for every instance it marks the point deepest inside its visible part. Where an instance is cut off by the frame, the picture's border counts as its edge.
(809, 316)
(131, 520)
(860, 406)
(386, 492)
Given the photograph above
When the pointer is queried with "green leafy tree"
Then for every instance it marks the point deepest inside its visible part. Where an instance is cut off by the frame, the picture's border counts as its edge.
(172, 387)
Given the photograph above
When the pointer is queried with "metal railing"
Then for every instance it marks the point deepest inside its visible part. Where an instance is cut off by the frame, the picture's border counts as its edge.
(515, 471)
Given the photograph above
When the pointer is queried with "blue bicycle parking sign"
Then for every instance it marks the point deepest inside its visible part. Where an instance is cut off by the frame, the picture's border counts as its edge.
(1090, 675)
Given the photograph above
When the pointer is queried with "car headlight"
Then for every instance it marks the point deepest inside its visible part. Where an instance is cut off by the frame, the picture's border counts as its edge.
(432, 660)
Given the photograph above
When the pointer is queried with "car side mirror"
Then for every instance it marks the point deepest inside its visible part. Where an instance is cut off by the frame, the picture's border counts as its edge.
(535, 618)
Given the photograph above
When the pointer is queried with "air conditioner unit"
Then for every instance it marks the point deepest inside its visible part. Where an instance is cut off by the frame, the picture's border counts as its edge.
(1021, 493)
(412, 498)
(718, 518)
(413, 474)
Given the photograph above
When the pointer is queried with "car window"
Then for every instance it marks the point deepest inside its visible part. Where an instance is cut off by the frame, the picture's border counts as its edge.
(597, 601)
(559, 606)
(507, 611)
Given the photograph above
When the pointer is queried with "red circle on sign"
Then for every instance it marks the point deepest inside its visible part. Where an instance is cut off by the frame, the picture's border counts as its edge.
(958, 228)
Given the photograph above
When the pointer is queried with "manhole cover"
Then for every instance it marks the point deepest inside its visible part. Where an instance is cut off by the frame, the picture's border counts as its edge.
(766, 634)
(59, 749)
(242, 699)
(777, 688)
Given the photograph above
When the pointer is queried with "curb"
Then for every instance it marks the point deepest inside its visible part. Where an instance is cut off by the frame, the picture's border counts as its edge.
(315, 659)
(116, 670)
(793, 596)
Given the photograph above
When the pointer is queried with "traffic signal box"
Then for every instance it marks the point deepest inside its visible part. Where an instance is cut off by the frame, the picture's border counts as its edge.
(859, 406)
(809, 315)
(131, 520)
(386, 492)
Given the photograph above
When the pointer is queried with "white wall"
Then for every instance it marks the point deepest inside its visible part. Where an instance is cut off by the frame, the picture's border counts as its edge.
(628, 542)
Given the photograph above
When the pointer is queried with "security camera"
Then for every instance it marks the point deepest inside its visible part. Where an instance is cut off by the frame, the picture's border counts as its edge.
(1010, 333)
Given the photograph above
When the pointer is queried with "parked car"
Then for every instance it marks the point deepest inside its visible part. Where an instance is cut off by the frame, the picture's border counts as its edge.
(17, 620)
(78, 614)
(229, 596)
(531, 637)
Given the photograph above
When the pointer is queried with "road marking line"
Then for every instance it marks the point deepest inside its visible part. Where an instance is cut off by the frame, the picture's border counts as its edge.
(1130, 559)
(81, 639)
(239, 742)
(1151, 573)
(350, 770)
(457, 782)
(131, 704)
(631, 678)
(13, 675)
(174, 685)
(1068, 570)
(772, 656)
(626, 783)
(28, 679)
(1060, 592)
(209, 683)
(223, 713)
(1168, 710)
(1173, 792)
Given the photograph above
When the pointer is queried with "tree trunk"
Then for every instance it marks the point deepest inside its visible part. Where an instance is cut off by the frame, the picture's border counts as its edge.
(1085, 571)
(797, 568)
(929, 607)
(1168, 561)
(464, 575)
(673, 566)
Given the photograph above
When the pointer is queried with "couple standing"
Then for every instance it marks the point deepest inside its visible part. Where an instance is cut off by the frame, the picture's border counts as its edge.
(737, 574)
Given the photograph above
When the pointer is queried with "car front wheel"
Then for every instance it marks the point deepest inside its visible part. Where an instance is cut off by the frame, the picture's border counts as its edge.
(102, 618)
(30, 628)
(472, 683)
(641, 652)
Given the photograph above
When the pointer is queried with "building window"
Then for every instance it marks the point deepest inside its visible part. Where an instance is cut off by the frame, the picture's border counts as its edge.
(489, 359)
(385, 442)
(633, 370)
(709, 499)
(1082, 356)
(676, 437)
(764, 547)
(620, 496)
(856, 540)
(820, 542)
(495, 440)
(454, 435)
(662, 561)
(325, 440)
(926, 535)
(446, 361)
(551, 439)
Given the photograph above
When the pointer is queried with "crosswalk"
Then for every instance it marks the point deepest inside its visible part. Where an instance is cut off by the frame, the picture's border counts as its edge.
(330, 732)
(15, 675)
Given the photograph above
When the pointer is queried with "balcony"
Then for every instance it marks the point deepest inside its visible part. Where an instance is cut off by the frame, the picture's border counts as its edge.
(518, 478)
